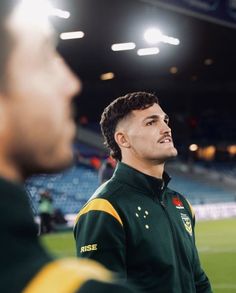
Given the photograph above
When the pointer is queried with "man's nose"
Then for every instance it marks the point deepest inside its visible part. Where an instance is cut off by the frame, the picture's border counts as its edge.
(165, 128)
(74, 84)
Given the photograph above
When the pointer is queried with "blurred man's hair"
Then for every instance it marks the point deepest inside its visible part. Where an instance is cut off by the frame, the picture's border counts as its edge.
(119, 109)
(6, 6)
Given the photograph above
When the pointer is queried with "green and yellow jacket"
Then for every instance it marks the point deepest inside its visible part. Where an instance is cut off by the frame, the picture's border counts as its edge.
(26, 267)
(138, 227)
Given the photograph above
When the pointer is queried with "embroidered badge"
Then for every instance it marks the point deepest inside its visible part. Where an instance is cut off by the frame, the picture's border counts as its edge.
(177, 203)
(187, 223)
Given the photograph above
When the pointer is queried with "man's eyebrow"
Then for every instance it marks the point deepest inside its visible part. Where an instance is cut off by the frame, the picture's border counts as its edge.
(156, 117)
(151, 117)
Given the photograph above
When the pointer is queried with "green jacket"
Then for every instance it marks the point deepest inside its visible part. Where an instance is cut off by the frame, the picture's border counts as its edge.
(24, 264)
(138, 227)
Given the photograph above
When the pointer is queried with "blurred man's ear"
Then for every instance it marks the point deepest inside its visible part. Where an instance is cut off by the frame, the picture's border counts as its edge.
(121, 139)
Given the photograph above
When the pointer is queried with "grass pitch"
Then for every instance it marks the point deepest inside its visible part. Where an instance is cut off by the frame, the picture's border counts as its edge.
(216, 242)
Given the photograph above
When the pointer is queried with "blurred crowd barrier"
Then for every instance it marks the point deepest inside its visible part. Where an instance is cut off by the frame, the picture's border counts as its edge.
(215, 211)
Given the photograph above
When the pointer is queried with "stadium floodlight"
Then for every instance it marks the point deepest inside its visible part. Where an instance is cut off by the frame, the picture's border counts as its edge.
(72, 35)
(60, 13)
(123, 46)
(153, 36)
(36, 12)
(148, 51)
(170, 40)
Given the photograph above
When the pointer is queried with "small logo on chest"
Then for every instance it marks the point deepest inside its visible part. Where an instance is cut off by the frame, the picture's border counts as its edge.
(187, 223)
(177, 203)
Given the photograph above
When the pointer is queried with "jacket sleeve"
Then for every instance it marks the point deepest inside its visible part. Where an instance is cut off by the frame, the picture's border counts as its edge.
(100, 236)
(202, 282)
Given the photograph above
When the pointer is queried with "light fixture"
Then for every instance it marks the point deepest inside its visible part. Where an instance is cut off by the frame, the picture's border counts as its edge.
(173, 70)
(148, 51)
(208, 61)
(72, 35)
(153, 36)
(107, 76)
(193, 147)
(123, 46)
(60, 13)
(170, 40)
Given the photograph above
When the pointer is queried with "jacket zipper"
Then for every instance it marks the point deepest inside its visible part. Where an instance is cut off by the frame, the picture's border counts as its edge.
(175, 241)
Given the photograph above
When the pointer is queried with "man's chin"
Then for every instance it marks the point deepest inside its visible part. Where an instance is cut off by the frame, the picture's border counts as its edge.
(61, 165)
(58, 167)
(172, 153)
(51, 167)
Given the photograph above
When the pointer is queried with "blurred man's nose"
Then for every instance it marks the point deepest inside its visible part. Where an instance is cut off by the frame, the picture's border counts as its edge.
(74, 84)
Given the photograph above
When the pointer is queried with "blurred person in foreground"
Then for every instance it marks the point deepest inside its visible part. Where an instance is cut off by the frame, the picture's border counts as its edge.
(137, 226)
(36, 133)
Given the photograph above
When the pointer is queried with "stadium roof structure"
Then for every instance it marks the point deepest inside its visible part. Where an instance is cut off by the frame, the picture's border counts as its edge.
(199, 72)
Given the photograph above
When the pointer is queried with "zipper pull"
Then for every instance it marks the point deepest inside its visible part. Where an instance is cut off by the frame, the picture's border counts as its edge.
(162, 185)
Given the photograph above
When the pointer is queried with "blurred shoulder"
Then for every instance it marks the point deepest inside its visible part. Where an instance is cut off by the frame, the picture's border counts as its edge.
(74, 275)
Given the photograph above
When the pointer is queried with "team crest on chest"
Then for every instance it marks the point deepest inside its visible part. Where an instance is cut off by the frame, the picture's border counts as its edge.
(187, 223)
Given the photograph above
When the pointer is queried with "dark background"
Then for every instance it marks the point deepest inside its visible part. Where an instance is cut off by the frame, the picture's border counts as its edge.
(200, 99)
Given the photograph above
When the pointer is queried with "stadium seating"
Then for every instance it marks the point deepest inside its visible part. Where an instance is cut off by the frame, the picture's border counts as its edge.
(199, 191)
(69, 189)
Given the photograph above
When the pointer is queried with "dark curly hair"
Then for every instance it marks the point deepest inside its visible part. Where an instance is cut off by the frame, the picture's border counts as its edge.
(116, 111)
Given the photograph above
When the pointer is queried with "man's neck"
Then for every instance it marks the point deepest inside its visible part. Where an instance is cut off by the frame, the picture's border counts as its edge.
(151, 168)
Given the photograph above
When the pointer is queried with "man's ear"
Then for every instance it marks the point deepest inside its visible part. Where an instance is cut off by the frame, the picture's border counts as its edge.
(121, 139)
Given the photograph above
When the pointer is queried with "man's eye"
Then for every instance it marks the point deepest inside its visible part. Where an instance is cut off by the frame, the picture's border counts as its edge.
(150, 122)
(166, 121)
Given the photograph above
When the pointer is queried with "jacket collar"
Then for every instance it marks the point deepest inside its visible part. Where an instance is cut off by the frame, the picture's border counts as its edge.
(149, 185)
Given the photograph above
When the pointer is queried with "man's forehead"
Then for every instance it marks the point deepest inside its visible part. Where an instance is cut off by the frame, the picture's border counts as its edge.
(20, 24)
(154, 109)
(140, 115)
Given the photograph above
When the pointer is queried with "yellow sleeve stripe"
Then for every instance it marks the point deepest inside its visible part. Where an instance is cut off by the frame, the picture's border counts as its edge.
(191, 208)
(67, 276)
(99, 204)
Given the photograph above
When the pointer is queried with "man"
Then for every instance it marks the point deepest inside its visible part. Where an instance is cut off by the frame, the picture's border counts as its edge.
(36, 132)
(134, 224)
(46, 211)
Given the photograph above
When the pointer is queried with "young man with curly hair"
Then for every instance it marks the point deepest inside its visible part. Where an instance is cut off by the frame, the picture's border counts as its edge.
(134, 224)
